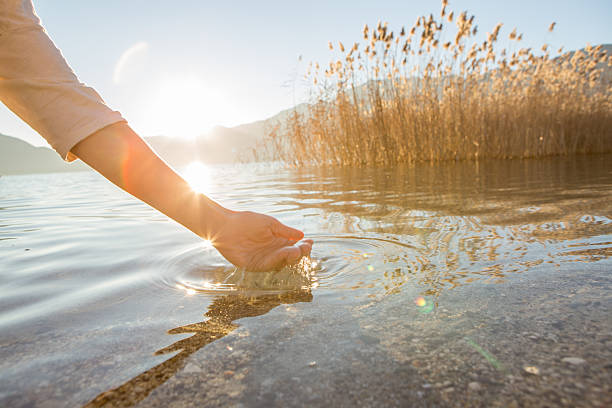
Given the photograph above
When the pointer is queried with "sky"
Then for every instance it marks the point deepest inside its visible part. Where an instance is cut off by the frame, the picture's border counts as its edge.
(179, 68)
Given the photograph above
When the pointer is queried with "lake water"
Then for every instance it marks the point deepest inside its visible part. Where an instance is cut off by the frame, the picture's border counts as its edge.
(464, 284)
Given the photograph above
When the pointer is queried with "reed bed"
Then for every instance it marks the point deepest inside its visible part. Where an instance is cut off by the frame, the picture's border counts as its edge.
(433, 92)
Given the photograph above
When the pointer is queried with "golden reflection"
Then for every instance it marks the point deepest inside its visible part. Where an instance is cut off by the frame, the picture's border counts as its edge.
(198, 176)
(222, 312)
(466, 222)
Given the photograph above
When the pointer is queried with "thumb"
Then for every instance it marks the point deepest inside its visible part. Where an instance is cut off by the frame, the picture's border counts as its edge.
(281, 230)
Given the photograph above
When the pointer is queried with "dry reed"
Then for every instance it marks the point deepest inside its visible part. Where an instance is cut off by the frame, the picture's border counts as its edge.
(425, 95)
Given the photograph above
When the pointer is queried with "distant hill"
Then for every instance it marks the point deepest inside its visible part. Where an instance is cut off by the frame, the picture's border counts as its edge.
(220, 145)
(606, 76)
(19, 157)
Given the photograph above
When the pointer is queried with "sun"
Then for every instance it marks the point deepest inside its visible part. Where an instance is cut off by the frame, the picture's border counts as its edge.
(184, 106)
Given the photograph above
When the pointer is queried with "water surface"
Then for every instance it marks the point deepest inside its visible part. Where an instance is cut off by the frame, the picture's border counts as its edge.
(438, 285)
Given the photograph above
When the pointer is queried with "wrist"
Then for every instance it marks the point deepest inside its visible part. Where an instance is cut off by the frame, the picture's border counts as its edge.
(211, 217)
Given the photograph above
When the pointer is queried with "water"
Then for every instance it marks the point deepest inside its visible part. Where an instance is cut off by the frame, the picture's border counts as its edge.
(431, 285)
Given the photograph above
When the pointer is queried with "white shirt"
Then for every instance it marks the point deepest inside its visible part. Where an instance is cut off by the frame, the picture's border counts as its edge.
(38, 85)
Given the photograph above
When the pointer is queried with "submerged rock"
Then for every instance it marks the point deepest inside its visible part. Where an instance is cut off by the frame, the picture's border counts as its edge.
(474, 386)
(574, 360)
(192, 368)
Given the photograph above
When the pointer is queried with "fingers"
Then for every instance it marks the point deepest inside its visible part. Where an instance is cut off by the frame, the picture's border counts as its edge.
(290, 255)
(281, 230)
(305, 247)
(286, 256)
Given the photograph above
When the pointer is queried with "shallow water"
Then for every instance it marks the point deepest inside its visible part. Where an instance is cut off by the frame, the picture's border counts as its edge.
(438, 285)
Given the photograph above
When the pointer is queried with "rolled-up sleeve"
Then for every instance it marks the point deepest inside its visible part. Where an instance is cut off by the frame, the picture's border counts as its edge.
(37, 84)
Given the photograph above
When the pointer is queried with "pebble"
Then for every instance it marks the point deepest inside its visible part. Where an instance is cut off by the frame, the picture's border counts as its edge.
(192, 368)
(574, 360)
(474, 386)
(532, 370)
(312, 364)
(552, 337)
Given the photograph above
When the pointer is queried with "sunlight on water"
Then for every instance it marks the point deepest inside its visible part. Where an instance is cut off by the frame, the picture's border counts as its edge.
(198, 176)
(207, 244)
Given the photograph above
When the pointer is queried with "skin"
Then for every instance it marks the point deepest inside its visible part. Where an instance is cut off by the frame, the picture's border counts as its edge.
(247, 239)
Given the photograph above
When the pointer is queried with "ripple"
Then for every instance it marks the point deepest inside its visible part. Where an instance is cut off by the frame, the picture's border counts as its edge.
(454, 251)
(336, 262)
(201, 270)
(351, 262)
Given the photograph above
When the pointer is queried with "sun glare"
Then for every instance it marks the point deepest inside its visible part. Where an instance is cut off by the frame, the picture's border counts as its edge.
(184, 106)
(198, 176)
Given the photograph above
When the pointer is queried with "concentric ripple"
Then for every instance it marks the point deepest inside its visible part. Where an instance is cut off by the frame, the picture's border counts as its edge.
(350, 262)
(336, 262)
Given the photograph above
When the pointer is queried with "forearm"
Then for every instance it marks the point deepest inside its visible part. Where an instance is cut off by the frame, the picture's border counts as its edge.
(39, 86)
(121, 156)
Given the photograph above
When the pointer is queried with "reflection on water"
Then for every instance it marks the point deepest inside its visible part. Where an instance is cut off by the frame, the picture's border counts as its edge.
(454, 224)
(91, 280)
(222, 313)
(198, 177)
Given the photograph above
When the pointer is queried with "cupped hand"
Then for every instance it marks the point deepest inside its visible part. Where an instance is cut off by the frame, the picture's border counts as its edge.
(259, 242)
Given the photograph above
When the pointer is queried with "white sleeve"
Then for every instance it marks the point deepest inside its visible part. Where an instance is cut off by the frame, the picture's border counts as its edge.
(37, 84)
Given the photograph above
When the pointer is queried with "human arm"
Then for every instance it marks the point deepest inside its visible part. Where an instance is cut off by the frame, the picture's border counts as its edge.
(37, 84)
(247, 239)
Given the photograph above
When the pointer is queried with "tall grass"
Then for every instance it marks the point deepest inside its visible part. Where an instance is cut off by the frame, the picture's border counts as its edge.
(432, 92)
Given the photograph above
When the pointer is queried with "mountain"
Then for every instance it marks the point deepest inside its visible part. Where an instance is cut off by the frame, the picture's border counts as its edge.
(606, 74)
(19, 157)
(220, 145)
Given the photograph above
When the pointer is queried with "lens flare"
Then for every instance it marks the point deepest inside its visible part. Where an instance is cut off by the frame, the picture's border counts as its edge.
(488, 356)
(424, 305)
